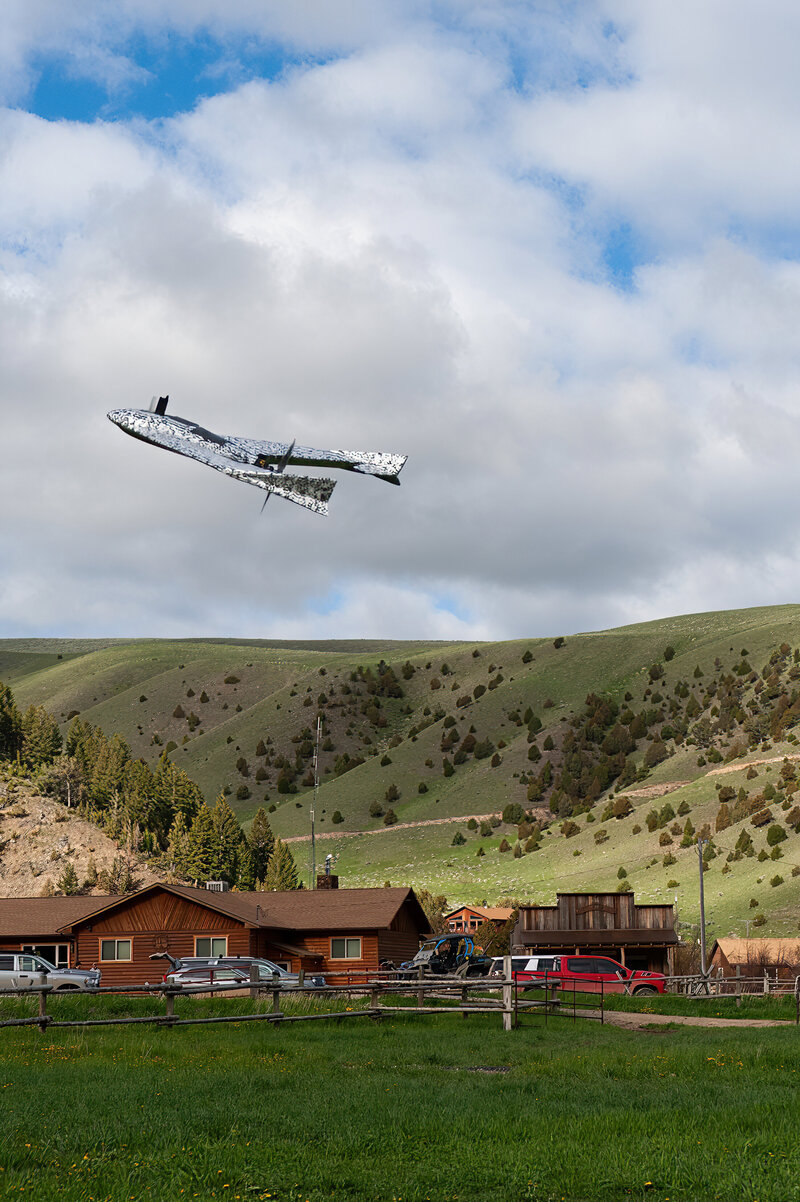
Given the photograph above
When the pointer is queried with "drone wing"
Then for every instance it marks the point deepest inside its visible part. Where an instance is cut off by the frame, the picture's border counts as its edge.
(383, 464)
(311, 492)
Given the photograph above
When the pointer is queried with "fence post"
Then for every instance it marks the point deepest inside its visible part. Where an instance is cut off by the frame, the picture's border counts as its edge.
(464, 999)
(276, 1001)
(420, 991)
(738, 985)
(169, 1006)
(42, 1010)
(766, 983)
(253, 980)
(508, 1014)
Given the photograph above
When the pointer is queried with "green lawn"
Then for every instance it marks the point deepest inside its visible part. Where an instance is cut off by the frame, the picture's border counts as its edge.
(408, 1108)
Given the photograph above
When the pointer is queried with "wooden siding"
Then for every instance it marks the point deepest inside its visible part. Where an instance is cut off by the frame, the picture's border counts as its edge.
(397, 946)
(612, 912)
(141, 968)
(162, 912)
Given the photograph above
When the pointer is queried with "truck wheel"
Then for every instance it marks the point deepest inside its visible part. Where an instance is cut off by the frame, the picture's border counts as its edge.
(645, 991)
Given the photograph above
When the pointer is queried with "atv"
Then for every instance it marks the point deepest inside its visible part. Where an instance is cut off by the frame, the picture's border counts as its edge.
(448, 955)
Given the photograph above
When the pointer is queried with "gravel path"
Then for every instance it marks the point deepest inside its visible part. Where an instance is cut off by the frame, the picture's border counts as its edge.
(621, 1018)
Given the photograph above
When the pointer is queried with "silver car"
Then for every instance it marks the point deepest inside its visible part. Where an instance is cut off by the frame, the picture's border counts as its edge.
(23, 970)
(268, 973)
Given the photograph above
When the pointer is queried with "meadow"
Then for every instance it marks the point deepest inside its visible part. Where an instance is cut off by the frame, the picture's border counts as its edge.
(405, 1108)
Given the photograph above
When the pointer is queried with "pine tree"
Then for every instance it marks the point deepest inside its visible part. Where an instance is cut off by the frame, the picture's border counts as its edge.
(230, 840)
(282, 872)
(246, 879)
(10, 725)
(41, 738)
(68, 882)
(262, 842)
(176, 792)
(178, 848)
(202, 847)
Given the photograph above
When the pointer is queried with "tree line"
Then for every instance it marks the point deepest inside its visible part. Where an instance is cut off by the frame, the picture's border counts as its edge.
(159, 812)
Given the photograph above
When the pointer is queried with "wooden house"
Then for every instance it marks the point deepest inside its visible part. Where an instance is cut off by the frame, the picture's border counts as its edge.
(639, 936)
(323, 930)
(469, 918)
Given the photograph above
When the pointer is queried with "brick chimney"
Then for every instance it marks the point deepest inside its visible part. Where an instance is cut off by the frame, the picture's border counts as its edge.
(324, 881)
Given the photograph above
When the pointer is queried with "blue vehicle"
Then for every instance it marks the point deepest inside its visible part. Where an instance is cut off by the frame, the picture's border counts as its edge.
(448, 955)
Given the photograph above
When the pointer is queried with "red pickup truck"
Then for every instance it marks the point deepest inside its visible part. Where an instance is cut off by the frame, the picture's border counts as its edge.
(593, 974)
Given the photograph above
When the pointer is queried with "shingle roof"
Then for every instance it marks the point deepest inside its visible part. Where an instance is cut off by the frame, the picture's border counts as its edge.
(297, 910)
(742, 950)
(490, 913)
(311, 909)
(27, 917)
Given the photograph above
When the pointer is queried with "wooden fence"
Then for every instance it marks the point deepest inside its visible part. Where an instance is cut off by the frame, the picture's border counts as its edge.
(425, 996)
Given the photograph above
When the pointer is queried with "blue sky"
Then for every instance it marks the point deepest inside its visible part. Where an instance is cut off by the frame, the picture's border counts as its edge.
(548, 251)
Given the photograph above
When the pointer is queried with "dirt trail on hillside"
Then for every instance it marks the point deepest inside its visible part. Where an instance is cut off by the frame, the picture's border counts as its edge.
(396, 826)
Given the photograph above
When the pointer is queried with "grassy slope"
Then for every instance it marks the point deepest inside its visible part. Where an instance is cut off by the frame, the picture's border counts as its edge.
(107, 684)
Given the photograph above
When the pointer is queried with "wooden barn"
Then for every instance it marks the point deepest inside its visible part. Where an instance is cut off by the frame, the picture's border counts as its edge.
(324, 930)
(639, 936)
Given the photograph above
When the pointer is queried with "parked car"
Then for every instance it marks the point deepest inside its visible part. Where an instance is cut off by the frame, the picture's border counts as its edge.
(208, 974)
(267, 971)
(523, 968)
(22, 970)
(595, 974)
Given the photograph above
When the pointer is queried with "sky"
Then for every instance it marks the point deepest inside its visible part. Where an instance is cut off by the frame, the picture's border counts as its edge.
(548, 250)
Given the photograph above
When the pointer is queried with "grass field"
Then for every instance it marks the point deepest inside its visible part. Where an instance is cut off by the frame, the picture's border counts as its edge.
(409, 1108)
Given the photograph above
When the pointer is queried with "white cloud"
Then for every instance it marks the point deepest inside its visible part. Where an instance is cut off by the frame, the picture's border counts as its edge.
(342, 257)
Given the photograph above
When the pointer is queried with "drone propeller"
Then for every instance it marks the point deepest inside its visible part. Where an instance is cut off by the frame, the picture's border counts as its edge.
(280, 468)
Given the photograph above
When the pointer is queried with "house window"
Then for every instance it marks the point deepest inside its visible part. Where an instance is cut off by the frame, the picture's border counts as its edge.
(116, 949)
(55, 953)
(346, 949)
(208, 946)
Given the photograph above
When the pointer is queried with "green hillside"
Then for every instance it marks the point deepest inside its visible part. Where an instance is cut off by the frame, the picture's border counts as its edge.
(438, 731)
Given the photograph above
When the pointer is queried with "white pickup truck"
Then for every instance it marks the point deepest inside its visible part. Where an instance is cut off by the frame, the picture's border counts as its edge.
(22, 970)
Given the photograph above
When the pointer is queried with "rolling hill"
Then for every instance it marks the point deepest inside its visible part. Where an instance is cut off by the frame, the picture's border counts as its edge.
(665, 713)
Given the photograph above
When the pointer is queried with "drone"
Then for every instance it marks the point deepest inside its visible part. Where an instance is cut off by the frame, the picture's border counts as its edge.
(262, 464)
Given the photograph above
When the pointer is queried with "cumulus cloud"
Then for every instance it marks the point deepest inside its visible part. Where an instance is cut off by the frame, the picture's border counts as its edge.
(399, 242)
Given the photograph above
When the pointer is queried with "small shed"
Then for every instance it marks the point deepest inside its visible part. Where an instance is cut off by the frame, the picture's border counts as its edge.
(754, 956)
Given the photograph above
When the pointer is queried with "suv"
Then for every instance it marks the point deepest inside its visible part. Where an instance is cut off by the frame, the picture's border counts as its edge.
(524, 968)
(595, 974)
(22, 970)
(267, 971)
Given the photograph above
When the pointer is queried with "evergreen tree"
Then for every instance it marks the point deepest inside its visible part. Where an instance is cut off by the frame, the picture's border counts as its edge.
(262, 842)
(176, 792)
(178, 848)
(10, 725)
(202, 847)
(68, 882)
(247, 879)
(41, 738)
(230, 841)
(282, 872)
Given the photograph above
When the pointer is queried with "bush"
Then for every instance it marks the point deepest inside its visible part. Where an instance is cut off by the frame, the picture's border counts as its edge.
(504, 845)
(389, 818)
(337, 816)
(231, 679)
(622, 873)
(458, 840)
(759, 920)
(776, 834)
(242, 793)
(569, 829)
(472, 825)
(776, 880)
(376, 810)
(513, 813)
(422, 787)
(673, 884)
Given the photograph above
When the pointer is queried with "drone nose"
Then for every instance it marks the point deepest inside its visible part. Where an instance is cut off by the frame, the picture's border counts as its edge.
(121, 418)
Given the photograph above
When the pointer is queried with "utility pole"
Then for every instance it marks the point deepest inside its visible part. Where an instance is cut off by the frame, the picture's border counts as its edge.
(314, 806)
(700, 844)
